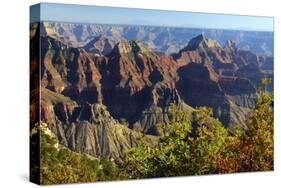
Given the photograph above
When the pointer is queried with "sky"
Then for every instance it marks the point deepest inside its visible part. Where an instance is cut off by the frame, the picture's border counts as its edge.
(111, 15)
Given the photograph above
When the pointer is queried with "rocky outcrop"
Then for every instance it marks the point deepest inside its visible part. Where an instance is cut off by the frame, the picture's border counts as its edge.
(201, 43)
(98, 134)
(130, 75)
(208, 94)
(155, 112)
(88, 128)
(100, 45)
(70, 71)
(125, 79)
(104, 104)
(228, 78)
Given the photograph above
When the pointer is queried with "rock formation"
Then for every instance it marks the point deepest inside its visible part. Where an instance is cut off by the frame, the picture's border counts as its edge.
(105, 97)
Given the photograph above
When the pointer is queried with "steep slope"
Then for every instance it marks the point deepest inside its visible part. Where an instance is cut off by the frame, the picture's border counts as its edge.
(70, 71)
(131, 84)
(71, 103)
(215, 69)
(127, 81)
(88, 128)
(100, 45)
(89, 102)
(103, 100)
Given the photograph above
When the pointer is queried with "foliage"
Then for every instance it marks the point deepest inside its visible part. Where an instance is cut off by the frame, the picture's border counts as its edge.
(258, 139)
(143, 161)
(181, 151)
(191, 144)
(207, 143)
(207, 147)
(60, 165)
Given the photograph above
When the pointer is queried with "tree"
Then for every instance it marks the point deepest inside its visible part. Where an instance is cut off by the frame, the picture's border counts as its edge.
(257, 147)
(167, 158)
(208, 147)
(207, 143)
(251, 149)
(191, 143)
(60, 165)
(181, 151)
(109, 169)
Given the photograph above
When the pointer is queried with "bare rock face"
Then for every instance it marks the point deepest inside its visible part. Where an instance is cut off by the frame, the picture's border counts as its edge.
(100, 45)
(130, 75)
(208, 94)
(98, 134)
(103, 98)
(89, 128)
(156, 110)
(201, 43)
(228, 78)
(230, 46)
(70, 71)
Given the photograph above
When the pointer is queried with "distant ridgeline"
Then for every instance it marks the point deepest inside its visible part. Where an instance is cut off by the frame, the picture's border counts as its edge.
(166, 40)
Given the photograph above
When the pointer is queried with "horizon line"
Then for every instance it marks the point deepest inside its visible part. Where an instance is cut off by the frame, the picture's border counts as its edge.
(152, 25)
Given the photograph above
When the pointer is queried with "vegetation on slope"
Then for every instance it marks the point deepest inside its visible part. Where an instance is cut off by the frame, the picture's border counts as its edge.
(60, 165)
(202, 147)
(208, 147)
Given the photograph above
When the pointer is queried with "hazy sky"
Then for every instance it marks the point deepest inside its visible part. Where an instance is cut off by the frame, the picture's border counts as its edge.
(108, 15)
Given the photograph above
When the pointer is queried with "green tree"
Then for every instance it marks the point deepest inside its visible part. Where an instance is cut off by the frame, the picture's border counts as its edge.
(60, 165)
(109, 169)
(257, 141)
(251, 149)
(167, 157)
(208, 147)
(208, 142)
(191, 143)
(181, 151)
